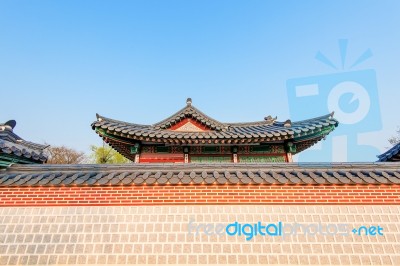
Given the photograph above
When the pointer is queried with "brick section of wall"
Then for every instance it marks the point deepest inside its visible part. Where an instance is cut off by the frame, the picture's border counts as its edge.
(159, 234)
(203, 194)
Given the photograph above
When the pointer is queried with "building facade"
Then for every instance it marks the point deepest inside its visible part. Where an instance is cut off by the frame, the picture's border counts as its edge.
(184, 212)
(190, 136)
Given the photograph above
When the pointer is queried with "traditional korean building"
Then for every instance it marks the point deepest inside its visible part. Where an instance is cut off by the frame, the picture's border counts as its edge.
(391, 155)
(169, 213)
(15, 150)
(190, 136)
(159, 213)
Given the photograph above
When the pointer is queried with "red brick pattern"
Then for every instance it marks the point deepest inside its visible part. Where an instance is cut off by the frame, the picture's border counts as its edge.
(199, 194)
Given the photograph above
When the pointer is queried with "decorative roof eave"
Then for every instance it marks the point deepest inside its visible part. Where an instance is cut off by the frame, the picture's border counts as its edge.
(101, 119)
(14, 149)
(21, 151)
(9, 159)
(277, 130)
(212, 137)
(314, 174)
(391, 155)
(189, 141)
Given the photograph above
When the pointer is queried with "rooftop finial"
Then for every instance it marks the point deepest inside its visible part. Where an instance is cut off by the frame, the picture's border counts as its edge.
(189, 101)
(288, 123)
(268, 118)
(11, 123)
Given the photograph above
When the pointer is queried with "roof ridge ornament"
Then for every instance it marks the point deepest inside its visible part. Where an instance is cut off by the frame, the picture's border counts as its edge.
(11, 123)
(99, 118)
(288, 123)
(189, 101)
(270, 118)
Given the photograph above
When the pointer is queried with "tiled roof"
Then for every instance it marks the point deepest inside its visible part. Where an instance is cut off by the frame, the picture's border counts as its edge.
(18, 149)
(267, 130)
(185, 174)
(391, 155)
(190, 111)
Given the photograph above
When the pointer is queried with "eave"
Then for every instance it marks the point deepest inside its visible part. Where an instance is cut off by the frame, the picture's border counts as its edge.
(391, 155)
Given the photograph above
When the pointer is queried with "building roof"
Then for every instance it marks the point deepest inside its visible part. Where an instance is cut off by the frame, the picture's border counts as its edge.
(391, 155)
(14, 149)
(185, 174)
(268, 130)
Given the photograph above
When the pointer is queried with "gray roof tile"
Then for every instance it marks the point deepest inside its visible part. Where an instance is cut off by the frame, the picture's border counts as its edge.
(292, 178)
(174, 180)
(391, 155)
(233, 179)
(245, 179)
(186, 180)
(266, 177)
(137, 181)
(330, 179)
(162, 180)
(34, 179)
(12, 144)
(186, 174)
(221, 180)
(260, 131)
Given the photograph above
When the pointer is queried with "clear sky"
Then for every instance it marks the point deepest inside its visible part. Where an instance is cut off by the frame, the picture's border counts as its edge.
(61, 62)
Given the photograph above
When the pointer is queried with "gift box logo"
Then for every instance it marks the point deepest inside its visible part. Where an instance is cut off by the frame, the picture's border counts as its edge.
(352, 95)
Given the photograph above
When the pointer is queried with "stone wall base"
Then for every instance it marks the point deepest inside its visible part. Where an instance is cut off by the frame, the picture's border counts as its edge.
(160, 235)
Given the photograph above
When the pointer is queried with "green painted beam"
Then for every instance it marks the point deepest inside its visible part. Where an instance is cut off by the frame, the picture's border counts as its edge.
(7, 159)
(321, 133)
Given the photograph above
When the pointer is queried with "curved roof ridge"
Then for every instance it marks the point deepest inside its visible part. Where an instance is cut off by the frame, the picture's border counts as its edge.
(209, 118)
(164, 121)
(327, 116)
(255, 123)
(308, 132)
(103, 118)
(177, 117)
(34, 145)
(389, 154)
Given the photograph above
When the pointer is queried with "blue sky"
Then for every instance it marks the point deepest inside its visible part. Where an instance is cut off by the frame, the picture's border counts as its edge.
(61, 62)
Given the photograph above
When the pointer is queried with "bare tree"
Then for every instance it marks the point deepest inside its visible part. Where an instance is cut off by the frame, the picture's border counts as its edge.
(395, 139)
(64, 155)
